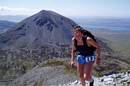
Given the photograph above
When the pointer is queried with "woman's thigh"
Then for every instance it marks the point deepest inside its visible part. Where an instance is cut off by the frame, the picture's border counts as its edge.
(80, 69)
(88, 69)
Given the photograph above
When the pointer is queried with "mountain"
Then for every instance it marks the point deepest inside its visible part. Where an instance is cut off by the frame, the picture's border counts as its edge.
(45, 27)
(30, 42)
(5, 25)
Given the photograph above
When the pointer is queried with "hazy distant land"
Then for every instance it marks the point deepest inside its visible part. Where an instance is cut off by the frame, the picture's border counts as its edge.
(115, 30)
(118, 41)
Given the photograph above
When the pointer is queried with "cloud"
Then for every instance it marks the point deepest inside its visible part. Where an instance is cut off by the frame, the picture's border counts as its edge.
(16, 11)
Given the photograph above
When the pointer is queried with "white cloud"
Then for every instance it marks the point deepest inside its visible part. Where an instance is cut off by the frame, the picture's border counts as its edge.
(16, 11)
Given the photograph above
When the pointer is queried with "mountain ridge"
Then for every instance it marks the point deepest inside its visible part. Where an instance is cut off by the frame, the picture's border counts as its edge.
(45, 25)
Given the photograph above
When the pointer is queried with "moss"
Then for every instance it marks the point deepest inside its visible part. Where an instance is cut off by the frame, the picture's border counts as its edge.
(124, 81)
(24, 84)
(10, 74)
(2, 73)
(53, 63)
(97, 74)
(70, 69)
(39, 83)
(67, 67)
(28, 64)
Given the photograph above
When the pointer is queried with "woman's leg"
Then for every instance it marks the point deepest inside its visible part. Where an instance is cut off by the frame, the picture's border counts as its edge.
(88, 71)
(80, 69)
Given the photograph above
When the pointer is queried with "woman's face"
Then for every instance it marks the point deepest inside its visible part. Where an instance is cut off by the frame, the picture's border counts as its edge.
(77, 33)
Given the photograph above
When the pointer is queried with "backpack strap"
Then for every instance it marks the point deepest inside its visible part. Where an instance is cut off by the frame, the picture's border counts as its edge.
(75, 43)
(84, 41)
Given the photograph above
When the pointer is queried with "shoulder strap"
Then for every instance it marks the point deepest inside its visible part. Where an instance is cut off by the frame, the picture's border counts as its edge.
(75, 43)
(84, 40)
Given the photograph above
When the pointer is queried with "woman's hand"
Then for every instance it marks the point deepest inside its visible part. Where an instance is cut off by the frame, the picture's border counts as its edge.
(98, 60)
(72, 63)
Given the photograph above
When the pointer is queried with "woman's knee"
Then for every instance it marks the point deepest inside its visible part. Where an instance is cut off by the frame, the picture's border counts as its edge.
(88, 77)
(81, 75)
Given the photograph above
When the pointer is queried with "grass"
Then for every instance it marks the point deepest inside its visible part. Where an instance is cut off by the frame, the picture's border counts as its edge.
(27, 63)
(53, 63)
(24, 84)
(67, 67)
(98, 70)
(2, 73)
(70, 69)
(97, 74)
(124, 81)
(39, 83)
(10, 74)
(110, 65)
(14, 72)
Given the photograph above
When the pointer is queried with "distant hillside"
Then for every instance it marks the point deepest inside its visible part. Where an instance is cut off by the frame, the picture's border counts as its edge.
(14, 18)
(5, 25)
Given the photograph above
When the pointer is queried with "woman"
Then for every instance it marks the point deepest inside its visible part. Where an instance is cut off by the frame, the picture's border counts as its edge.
(85, 59)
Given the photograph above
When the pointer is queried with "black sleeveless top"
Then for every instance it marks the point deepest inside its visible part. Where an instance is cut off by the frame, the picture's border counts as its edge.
(84, 49)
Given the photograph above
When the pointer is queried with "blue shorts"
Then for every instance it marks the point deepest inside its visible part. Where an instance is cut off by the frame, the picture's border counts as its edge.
(85, 59)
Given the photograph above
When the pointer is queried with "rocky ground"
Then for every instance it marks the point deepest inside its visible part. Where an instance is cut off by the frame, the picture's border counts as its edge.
(47, 74)
(58, 73)
(121, 79)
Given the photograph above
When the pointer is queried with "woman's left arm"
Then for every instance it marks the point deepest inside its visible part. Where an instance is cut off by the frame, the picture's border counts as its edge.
(91, 42)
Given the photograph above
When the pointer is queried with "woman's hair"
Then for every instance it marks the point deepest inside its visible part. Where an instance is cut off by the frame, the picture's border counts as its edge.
(78, 28)
(75, 27)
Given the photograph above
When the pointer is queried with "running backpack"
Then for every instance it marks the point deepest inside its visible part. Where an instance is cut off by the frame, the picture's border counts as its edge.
(86, 34)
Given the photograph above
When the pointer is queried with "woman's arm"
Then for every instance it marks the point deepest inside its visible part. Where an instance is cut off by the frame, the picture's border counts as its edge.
(73, 50)
(91, 42)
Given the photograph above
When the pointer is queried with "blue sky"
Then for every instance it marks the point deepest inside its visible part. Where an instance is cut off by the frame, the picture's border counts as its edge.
(103, 8)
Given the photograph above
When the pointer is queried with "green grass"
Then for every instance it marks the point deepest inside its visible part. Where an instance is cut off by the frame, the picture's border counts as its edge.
(39, 83)
(53, 63)
(70, 69)
(2, 73)
(24, 84)
(124, 81)
(67, 67)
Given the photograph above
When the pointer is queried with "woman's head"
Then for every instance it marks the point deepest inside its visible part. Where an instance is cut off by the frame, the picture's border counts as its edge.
(78, 31)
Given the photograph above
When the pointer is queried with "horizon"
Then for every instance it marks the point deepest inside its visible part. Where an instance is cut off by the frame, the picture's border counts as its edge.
(69, 8)
(18, 18)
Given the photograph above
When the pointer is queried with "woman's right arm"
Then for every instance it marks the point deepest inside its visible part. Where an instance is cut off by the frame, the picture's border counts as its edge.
(72, 51)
